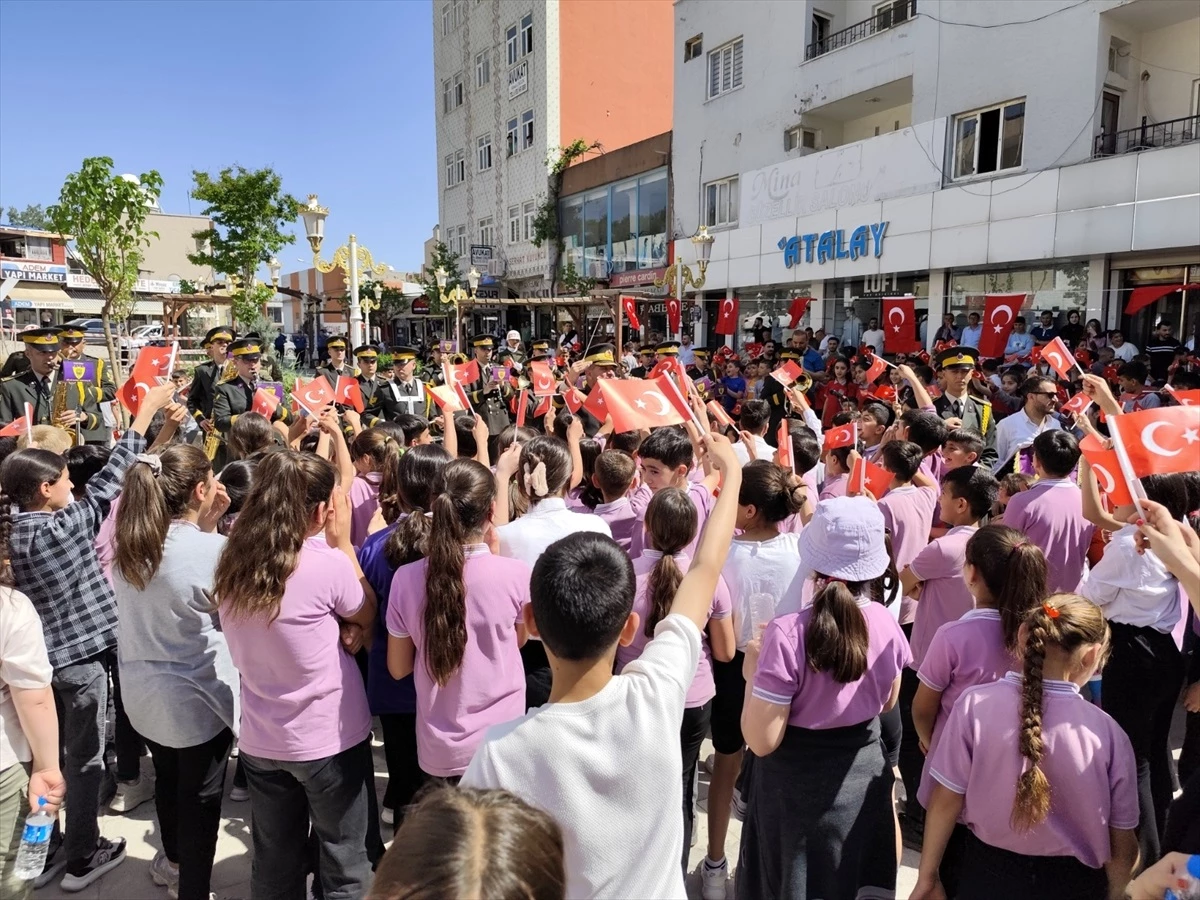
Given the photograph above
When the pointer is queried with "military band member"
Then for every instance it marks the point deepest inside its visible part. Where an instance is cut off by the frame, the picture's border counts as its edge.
(958, 406)
(489, 394)
(235, 395)
(370, 385)
(35, 385)
(208, 374)
(645, 364)
(666, 350)
(337, 366)
(602, 363)
(432, 373)
(512, 346)
(701, 368)
(404, 394)
(86, 397)
(776, 395)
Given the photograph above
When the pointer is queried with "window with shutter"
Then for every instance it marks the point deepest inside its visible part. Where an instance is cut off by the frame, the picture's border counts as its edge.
(725, 69)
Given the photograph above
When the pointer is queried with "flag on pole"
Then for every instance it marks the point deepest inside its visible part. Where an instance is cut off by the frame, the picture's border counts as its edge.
(900, 325)
(313, 396)
(543, 378)
(635, 404)
(787, 373)
(842, 436)
(717, 411)
(727, 316)
(445, 397)
(265, 403)
(1106, 466)
(522, 408)
(153, 365)
(1159, 441)
(629, 307)
(999, 313)
(349, 393)
(783, 442)
(796, 310)
(867, 476)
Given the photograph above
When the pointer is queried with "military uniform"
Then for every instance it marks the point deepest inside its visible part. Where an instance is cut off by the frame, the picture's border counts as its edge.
(974, 413)
(489, 403)
(775, 394)
(26, 387)
(694, 371)
(235, 396)
(646, 360)
(404, 398)
(206, 376)
(333, 373)
(605, 356)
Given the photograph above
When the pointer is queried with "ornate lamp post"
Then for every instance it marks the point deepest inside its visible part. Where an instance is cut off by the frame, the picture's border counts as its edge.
(680, 273)
(348, 256)
(456, 296)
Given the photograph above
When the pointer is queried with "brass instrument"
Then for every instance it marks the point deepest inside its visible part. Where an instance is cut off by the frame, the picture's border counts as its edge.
(212, 442)
(59, 406)
(229, 372)
(804, 383)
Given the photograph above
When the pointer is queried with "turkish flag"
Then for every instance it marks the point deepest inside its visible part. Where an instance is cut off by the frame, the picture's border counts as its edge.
(717, 411)
(574, 398)
(153, 364)
(842, 436)
(899, 325)
(15, 427)
(787, 373)
(313, 396)
(797, 309)
(866, 476)
(635, 404)
(445, 397)
(674, 315)
(629, 307)
(878, 367)
(783, 444)
(265, 403)
(884, 393)
(668, 365)
(596, 404)
(1059, 357)
(1107, 468)
(543, 378)
(1160, 441)
(727, 317)
(1185, 398)
(542, 408)
(999, 311)
(1077, 404)
(464, 373)
(349, 393)
(522, 408)
(1139, 298)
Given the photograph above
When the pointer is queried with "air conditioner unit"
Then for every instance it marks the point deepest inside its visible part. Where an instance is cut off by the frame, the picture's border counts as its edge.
(597, 270)
(495, 268)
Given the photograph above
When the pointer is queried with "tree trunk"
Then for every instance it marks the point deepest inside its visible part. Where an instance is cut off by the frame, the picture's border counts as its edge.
(114, 359)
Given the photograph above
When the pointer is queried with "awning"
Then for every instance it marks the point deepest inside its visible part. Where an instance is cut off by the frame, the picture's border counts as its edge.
(30, 295)
(87, 302)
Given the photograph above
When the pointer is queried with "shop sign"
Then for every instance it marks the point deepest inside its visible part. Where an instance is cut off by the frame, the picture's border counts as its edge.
(141, 286)
(420, 306)
(481, 255)
(518, 79)
(865, 240)
(487, 293)
(636, 277)
(33, 271)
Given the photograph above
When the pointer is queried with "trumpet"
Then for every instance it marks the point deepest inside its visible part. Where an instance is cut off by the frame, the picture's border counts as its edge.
(803, 383)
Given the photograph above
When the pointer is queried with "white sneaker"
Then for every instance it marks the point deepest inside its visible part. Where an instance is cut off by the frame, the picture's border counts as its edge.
(387, 815)
(131, 794)
(164, 872)
(239, 794)
(713, 879)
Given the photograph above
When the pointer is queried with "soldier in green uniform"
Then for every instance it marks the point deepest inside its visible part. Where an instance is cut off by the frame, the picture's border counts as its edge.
(35, 385)
(489, 394)
(370, 385)
(207, 375)
(958, 406)
(645, 364)
(86, 397)
(336, 348)
(404, 395)
(235, 396)
(601, 362)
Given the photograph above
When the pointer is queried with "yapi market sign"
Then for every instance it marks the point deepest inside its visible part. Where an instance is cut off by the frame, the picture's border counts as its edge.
(865, 240)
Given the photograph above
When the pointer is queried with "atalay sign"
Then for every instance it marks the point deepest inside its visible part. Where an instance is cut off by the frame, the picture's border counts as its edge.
(865, 240)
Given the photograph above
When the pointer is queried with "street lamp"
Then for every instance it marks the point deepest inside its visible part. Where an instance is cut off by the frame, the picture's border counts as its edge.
(456, 296)
(369, 305)
(275, 268)
(681, 273)
(348, 256)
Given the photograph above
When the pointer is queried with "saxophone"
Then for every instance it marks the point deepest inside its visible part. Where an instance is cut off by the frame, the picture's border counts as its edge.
(212, 440)
(59, 406)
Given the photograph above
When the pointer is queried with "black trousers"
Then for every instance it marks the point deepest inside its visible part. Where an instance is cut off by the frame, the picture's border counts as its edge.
(691, 735)
(990, 873)
(129, 745)
(400, 753)
(538, 677)
(1141, 685)
(911, 759)
(187, 799)
(1189, 756)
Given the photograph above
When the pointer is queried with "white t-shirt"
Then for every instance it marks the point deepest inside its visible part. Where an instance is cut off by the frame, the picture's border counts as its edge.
(874, 339)
(548, 520)
(762, 449)
(607, 769)
(1126, 352)
(763, 567)
(23, 664)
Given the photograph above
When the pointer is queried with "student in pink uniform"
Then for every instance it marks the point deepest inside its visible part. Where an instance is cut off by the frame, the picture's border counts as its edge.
(671, 526)
(1006, 575)
(667, 459)
(613, 477)
(286, 581)
(454, 622)
(837, 473)
(1051, 511)
(811, 718)
(373, 451)
(1044, 780)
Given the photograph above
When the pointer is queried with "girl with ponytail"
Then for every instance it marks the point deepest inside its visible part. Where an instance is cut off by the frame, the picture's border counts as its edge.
(373, 452)
(670, 527)
(1045, 781)
(406, 497)
(454, 623)
(817, 682)
(286, 582)
(178, 683)
(1006, 575)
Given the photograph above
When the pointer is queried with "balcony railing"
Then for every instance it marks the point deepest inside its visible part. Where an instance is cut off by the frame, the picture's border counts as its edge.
(1148, 136)
(888, 17)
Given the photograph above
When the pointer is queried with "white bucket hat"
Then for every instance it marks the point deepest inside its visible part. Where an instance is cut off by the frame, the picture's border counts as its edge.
(513, 336)
(845, 540)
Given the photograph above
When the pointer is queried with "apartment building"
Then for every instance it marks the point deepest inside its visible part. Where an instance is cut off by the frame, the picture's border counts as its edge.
(516, 79)
(849, 150)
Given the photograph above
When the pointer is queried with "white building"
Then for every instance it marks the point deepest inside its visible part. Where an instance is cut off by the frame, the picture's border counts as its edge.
(993, 146)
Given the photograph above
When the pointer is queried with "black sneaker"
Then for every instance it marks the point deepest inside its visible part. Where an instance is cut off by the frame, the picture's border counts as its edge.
(56, 861)
(82, 872)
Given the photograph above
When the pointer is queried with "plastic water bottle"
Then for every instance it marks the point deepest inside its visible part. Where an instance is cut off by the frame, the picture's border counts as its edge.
(761, 608)
(1094, 685)
(35, 843)
(1191, 874)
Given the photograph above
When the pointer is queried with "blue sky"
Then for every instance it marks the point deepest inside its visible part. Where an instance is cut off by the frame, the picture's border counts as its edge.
(337, 97)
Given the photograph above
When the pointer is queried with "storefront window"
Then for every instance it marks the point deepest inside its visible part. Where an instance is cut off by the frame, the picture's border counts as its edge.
(1059, 289)
(1178, 309)
(571, 227)
(595, 234)
(652, 221)
(624, 226)
(636, 238)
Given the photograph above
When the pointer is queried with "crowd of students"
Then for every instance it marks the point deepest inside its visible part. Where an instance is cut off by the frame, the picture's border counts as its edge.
(548, 623)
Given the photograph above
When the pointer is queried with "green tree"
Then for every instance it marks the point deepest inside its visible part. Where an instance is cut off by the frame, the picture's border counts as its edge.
(29, 217)
(443, 258)
(106, 216)
(249, 210)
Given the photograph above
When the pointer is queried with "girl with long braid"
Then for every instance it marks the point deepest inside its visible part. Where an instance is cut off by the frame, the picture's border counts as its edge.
(1044, 780)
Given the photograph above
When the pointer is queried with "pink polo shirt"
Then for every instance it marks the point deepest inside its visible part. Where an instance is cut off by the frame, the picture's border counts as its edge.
(944, 595)
(835, 486)
(817, 701)
(1088, 761)
(489, 686)
(908, 515)
(364, 501)
(303, 697)
(621, 519)
(701, 498)
(702, 689)
(1051, 515)
(963, 654)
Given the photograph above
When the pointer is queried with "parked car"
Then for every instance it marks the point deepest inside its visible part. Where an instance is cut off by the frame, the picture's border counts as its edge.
(93, 329)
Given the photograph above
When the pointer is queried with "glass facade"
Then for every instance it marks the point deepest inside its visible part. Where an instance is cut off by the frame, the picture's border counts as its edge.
(1058, 288)
(617, 228)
